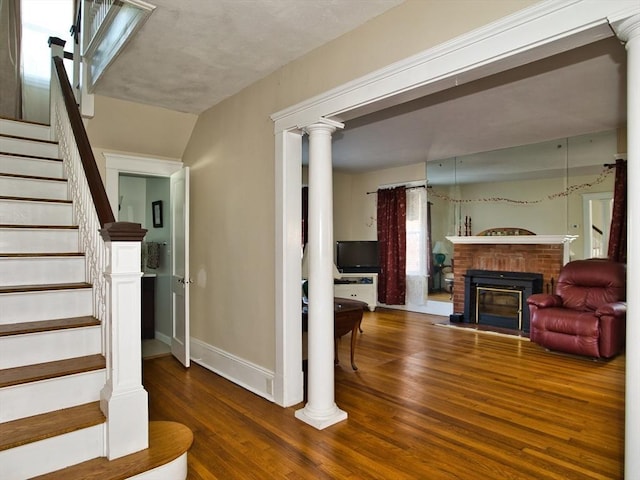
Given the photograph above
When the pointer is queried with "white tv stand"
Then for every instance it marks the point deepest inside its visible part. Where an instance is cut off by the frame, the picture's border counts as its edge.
(361, 286)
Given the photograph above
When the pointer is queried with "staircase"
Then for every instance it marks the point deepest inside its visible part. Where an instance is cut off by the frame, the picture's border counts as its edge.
(52, 364)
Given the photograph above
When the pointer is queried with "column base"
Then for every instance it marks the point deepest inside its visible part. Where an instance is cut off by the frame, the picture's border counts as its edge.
(321, 422)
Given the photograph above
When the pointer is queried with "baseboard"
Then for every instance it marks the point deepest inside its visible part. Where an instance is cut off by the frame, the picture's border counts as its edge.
(254, 378)
(166, 339)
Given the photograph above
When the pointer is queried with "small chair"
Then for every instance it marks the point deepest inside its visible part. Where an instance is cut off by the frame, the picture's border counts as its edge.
(587, 314)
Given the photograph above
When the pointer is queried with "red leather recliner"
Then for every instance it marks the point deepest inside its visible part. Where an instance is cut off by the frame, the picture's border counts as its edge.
(587, 314)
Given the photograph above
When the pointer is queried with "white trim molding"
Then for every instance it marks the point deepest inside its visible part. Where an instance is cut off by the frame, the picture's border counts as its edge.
(544, 29)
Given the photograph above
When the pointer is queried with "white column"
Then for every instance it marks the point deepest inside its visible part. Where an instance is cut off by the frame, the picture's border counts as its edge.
(123, 399)
(321, 410)
(629, 32)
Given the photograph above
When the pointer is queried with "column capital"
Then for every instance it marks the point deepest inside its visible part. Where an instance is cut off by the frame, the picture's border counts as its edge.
(323, 124)
(628, 29)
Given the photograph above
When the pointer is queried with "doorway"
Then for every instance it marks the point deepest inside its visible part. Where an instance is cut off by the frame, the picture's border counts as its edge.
(140, 190)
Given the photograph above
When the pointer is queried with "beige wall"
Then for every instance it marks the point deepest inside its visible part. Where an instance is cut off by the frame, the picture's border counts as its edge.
(354, 211)
(127, 127)
(231, 153)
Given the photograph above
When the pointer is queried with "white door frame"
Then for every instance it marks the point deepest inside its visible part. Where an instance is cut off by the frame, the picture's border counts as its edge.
(117, 163)
(544, 29)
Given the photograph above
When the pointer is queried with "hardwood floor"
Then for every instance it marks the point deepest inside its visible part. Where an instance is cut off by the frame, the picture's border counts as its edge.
(426, 403)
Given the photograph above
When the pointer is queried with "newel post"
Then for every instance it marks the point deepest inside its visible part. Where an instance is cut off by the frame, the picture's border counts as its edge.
(123, 399)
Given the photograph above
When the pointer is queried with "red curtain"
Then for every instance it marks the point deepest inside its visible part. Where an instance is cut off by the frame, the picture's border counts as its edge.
(392, 245)
(618, 232)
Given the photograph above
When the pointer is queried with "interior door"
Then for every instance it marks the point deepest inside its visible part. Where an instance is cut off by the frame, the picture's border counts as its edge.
(180, 265)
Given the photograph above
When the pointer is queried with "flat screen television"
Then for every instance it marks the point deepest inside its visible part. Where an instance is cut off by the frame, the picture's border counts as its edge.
(357, 256)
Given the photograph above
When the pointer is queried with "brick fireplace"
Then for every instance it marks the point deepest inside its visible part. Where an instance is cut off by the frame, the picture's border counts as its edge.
(544, 254)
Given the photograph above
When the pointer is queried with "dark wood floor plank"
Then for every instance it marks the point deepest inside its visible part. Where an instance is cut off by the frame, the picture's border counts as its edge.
(427, 402)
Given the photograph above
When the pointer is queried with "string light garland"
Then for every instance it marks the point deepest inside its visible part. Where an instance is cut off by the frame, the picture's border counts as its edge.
(565, 193)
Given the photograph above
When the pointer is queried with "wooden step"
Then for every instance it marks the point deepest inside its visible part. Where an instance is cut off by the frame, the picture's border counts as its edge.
(39, 227)
(47, 325)
(25, 128)
(43, 287)
(167, 442)
(32, 177)
(41, 254)
(29, 139)
(42, 371)
(47, 425)
(31, 199)
(34, 157)
(25, 164)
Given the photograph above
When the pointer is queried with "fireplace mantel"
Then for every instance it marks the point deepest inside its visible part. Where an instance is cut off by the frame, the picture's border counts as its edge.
(517, 240)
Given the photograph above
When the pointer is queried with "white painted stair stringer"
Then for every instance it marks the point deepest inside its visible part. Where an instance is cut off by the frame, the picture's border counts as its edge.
(33, 187)
(37, 270)
(31, 166)
(49, 346)
(33, 212)
(45, 305)
(55, 453)
(34, 398)
(25, 129)
(39, 240)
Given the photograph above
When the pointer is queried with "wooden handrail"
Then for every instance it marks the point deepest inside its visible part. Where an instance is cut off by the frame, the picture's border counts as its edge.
(98, 192)
(111, 230)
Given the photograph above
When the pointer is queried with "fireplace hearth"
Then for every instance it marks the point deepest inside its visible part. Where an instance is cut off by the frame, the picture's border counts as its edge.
(498, 299)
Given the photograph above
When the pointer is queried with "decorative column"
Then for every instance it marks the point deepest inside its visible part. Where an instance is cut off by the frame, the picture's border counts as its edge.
(321, 410)
(123, 400)
(629, 32)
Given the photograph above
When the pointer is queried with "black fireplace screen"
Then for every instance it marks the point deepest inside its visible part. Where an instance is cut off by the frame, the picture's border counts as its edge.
(499, 298)
(501, 307)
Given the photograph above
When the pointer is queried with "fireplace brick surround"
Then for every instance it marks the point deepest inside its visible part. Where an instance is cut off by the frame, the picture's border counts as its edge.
(546, 259)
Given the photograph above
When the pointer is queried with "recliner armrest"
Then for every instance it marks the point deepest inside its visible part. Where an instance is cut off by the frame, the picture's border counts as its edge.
(616, 309)
(544, 300)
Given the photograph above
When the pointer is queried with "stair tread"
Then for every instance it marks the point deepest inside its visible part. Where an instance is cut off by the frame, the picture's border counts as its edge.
(47, 325)
(32, 177)
(18, 137)
(44, 287)
(42, 371)
(41, 254)
(32, 199)
(50, 424)
(45, 227)
(167, 441)
(35, 157)
(22, 120)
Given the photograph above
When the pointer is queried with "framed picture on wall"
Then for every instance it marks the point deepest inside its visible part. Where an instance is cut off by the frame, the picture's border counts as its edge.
(156, 209)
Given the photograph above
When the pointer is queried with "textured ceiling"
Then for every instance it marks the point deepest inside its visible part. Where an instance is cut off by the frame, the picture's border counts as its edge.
(191, 54)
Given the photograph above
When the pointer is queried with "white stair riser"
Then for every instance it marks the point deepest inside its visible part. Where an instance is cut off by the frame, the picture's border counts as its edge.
(29, 147)
(41, 270)
(31, 166)
(22, 129)
(36, 240)
(52, 454)
(47, 305)
(41, 347)
(19, 212)
(33, 188)
(20, 401)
